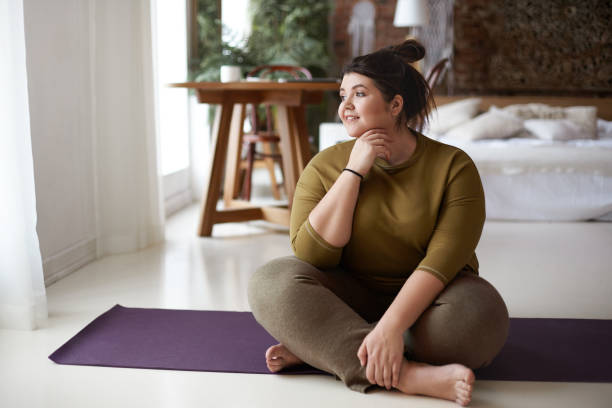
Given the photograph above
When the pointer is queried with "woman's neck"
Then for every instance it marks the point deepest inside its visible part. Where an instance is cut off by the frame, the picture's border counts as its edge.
(402, 146)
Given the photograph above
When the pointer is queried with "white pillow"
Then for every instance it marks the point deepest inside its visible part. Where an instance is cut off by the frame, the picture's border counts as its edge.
(583, 116)
(604, 129)
(555, 129)
(452, 114)
(493, 124)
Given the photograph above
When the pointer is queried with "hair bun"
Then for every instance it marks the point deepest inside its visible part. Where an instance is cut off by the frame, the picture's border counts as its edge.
(410, 50)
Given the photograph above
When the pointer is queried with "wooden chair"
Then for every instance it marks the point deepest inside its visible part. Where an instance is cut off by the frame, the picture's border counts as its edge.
(436, 73)
(262, 131)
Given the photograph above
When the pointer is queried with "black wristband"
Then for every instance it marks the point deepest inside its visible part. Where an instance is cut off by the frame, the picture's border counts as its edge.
(354, 172)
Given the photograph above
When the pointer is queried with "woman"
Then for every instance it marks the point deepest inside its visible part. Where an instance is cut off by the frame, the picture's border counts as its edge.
(384, 288)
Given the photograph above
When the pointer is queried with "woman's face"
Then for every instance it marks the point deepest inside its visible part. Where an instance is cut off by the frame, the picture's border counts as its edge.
(362, 105)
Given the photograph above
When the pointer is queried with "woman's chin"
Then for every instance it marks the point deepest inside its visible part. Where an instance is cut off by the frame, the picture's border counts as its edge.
(353, 132)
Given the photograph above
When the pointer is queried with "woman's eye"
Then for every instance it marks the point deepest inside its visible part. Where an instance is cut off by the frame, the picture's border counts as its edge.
(342, 97)
(360, 94)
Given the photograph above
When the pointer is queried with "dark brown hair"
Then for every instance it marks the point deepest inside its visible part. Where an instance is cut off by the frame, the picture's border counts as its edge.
(391, 70)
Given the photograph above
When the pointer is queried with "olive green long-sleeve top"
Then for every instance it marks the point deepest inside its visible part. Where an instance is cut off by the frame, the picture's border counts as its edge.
(426, 213)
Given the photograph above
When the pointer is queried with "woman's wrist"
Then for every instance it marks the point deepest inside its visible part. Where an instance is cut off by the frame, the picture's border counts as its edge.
(356, 173)
(361, 168)
(391, 325)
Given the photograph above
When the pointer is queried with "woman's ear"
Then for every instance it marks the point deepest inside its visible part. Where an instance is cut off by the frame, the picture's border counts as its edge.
(397, 104)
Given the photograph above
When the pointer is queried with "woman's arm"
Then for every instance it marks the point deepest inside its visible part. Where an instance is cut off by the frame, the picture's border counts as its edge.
(418, 292)
(332, 218)
(383, 348)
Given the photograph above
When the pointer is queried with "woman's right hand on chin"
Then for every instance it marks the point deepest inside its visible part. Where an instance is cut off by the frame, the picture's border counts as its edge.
(372, 144)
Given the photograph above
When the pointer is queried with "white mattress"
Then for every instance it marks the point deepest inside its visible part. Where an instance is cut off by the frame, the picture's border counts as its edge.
(531, 179)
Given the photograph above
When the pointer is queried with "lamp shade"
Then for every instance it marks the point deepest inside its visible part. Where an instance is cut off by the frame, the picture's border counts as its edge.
(410, 13)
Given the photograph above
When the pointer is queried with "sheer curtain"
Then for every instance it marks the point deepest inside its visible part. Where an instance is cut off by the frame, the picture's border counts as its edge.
(129, 202)
(23, 303)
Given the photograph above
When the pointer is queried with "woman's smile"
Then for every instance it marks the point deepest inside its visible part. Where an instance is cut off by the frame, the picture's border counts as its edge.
(362, 106)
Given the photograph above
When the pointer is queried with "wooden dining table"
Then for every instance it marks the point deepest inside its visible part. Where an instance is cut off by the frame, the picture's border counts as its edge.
(231, 98)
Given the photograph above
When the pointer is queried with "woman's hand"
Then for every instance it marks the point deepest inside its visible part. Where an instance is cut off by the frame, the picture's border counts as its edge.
(373, 143)
(382, 351)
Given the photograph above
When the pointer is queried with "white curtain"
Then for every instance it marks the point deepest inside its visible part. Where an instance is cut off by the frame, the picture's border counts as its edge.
(128, 189)
(23, 303)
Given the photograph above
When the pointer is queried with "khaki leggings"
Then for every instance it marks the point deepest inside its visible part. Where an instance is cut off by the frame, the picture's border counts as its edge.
(323, 316)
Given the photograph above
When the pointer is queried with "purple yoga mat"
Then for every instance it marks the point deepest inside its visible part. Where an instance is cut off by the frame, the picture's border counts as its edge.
(575, 350)
(568, 350)
(194, 340)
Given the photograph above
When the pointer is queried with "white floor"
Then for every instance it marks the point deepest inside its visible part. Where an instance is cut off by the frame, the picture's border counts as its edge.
(541, 269)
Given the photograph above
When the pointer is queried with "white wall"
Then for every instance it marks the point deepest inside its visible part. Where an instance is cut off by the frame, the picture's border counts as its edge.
(58, 61)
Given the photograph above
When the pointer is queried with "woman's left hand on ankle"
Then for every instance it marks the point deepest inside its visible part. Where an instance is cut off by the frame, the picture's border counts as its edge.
(382, 350)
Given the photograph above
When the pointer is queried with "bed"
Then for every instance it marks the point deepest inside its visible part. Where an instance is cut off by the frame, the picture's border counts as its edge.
(539, 158)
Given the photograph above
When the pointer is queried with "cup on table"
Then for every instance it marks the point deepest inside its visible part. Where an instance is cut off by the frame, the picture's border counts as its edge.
(230, 73)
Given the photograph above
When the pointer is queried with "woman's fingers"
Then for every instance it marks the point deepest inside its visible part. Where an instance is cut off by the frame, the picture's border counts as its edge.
(371, 372)
(396, 374)
(387, 376)
(380, 380)
(382, 152)
(381, 372)
(380, 145)
(376, 137)
(375, 134)
(362, 354)
(376, 131)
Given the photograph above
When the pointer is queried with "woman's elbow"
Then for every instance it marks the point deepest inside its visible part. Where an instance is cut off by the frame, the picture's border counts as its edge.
(317, 260)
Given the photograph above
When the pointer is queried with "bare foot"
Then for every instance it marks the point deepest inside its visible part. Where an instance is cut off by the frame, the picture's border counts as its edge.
(279, 357)
(452, 382)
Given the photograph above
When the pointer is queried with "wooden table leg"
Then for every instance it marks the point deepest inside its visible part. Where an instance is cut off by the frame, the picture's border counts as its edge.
(221, 128)
(232, 166)
(288, 149)
(300, 130)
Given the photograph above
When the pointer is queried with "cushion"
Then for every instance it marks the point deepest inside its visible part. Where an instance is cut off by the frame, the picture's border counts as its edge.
(604, 129)
(555, 129)
(452, 114)
(583, 116)
(493, 124)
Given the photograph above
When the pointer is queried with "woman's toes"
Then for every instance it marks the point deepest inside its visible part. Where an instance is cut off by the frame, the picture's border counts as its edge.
(463, 402)
(279, 357)
(272, 352)
(464, 386)
(470, 377)
(274, 365)
(463, 393)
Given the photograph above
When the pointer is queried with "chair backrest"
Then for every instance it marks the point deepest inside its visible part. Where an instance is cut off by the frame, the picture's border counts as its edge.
(437, 72)
(264, 71)
(296, 72)
(434, 76)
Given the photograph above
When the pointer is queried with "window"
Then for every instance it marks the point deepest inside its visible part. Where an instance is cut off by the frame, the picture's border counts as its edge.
(170, 27)
(235, 19)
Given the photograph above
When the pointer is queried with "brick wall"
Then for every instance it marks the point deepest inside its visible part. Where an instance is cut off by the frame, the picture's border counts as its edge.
(511, 46)
(525, 46)
(386, 33)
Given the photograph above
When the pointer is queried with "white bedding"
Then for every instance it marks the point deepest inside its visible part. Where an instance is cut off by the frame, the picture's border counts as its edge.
(530, 179)
(533, 179)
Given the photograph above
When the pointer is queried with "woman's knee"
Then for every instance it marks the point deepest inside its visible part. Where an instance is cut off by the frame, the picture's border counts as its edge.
(272, 283)
(468, 324)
